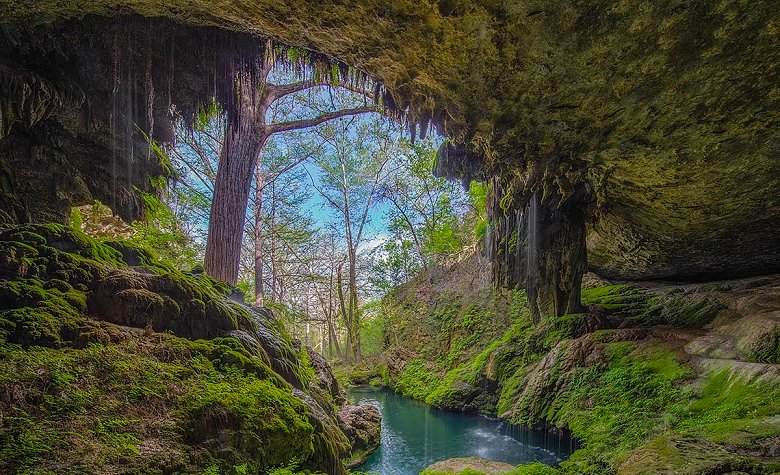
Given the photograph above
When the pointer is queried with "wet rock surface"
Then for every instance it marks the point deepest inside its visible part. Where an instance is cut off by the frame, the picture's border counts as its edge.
(673, 169)
(362, 425)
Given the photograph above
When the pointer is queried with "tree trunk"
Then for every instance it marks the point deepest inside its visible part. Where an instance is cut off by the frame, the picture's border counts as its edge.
(272, 225)
(245, 137)
(259, 181)
(347, 317)
(353, 307)
(334, 339)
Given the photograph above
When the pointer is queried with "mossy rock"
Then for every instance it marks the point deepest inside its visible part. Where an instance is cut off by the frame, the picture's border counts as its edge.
(146, 367)
(468, 466)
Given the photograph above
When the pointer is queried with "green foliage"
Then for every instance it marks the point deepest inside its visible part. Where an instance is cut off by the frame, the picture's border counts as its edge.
(372, 329)
(96, 395)
(616, 396)
(423, 216)
(76, 219)
(465, 337)
(161, 235)
(615, 407)
(468, 471)
(32, 441)
(418, 380)
(270, 419)
(535, 468)
(118, 443)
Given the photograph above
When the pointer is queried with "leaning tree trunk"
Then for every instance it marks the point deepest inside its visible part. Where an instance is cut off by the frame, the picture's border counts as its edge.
(244, 139)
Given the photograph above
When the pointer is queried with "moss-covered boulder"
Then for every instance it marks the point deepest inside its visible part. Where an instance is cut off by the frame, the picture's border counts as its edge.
(106, 367)
(468, 465)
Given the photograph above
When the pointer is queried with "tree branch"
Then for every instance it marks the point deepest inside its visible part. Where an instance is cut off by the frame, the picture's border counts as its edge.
(315, 121)
(277, 91)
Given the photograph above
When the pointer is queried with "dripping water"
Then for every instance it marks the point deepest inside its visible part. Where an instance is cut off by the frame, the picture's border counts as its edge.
(518, 243)
(533, 210)
(113, 122)
(129, 124)
(149, 89)
(488, 241)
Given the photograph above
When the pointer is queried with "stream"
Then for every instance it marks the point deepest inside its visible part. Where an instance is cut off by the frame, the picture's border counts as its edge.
(415, 435)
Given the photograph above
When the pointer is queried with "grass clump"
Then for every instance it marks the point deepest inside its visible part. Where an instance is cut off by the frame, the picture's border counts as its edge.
(613, 407)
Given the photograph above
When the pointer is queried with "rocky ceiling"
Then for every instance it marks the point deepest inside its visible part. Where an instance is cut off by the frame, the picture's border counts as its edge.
(658, 119)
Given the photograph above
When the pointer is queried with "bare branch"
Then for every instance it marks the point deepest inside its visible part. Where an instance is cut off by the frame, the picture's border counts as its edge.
(315, 121)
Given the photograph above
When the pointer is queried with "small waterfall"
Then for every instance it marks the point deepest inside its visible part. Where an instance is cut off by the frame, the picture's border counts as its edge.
(489, 241)
(518, 245)
(532, 246)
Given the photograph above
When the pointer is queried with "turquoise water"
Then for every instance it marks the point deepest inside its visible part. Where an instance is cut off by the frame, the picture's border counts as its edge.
(415, 435)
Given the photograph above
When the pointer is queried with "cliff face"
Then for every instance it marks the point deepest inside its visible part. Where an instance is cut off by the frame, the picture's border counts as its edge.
(653, 125)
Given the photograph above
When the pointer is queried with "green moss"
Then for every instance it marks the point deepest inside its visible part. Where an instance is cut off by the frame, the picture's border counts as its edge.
(642, 307)
(417, 380)
(535, 468)
(270, 424)
(40, 315)
(468, 471)
(101, 404)
(614, 408)
(769, 351)
(730, 404)
(638, 402)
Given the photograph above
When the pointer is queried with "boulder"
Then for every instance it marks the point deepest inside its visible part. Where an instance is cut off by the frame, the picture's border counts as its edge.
(362, 426)
(480, 465)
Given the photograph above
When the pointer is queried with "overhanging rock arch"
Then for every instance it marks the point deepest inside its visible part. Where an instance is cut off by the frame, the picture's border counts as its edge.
(654, 122)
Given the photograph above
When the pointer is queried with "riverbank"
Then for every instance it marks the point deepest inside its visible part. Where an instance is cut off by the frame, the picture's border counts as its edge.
(654, 379)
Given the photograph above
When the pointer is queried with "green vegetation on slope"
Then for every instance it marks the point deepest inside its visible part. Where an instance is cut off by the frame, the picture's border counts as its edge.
(147, 406)
(617, 377)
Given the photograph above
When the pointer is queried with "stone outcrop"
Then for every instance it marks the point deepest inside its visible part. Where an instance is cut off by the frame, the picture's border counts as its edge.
(479, 465)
